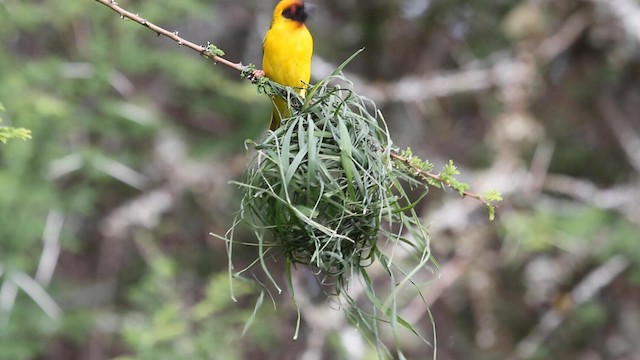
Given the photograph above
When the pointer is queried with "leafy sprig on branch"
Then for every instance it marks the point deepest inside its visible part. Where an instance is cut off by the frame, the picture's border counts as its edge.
(8, 132)
(408, 162)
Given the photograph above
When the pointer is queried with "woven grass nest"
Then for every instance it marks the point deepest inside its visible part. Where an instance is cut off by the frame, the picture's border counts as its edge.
(318, 185)
(323, 184)
(323, 191)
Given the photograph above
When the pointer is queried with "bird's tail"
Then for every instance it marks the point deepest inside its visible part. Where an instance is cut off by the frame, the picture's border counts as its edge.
(281, 110)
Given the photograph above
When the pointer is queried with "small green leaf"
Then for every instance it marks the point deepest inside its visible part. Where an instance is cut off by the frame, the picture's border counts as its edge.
(214, 50)
(492, 195)
(7, 133)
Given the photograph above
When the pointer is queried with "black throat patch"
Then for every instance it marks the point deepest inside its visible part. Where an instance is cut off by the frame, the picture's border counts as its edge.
(295, 12)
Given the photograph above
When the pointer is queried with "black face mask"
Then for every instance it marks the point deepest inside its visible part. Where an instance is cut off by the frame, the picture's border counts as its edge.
(295, 12)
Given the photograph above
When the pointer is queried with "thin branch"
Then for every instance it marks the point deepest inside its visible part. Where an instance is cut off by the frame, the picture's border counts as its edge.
(478, 76)
(37, 294)
(562, 39)
(433, 176)
(416, 88)
(124, 14)
(583, 292)
(623, 198)
(627, 13)
(121, 172)
(622, 129)
(50, 248)
(8, 293)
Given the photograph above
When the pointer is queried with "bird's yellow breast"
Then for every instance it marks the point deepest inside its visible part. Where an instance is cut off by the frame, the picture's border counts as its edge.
(288, 47)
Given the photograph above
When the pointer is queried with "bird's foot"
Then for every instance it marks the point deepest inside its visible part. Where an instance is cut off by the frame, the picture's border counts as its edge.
(257, 74)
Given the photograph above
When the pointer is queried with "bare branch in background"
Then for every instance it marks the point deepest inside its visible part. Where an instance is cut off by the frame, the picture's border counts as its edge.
(477, 77)
(144, 211)
(36, 292)
(120, 171)
(50, 247)
(8, 293)
(627, 136)
(540, 165)
(420, 88)
(627, 11)
(584, 291)
(65, 165)
(562, 39)
(622, 198)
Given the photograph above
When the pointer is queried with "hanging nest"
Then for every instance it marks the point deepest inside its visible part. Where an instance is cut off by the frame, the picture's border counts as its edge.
(318, 185)
(323, 183)
(323, 191)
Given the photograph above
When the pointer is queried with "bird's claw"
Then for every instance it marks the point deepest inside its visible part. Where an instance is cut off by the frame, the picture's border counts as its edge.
(257, 74)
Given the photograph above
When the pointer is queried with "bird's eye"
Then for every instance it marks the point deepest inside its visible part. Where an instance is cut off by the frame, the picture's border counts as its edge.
(291, 11)
(295, 12)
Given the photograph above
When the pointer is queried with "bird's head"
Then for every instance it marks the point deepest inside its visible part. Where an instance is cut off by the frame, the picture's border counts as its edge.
(292, 10)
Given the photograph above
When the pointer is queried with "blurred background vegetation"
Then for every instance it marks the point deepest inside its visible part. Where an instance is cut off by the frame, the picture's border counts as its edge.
(105, 213)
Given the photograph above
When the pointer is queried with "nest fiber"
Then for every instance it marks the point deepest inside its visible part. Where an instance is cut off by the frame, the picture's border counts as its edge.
(324, 185)
(318, 184)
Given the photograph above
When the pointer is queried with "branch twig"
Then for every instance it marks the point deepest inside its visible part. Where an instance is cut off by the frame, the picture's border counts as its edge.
(124, 14)
(622, 129)
(435, 177)
(627, 12)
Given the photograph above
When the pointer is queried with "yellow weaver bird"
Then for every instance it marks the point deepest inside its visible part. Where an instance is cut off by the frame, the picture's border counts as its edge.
(287, 50)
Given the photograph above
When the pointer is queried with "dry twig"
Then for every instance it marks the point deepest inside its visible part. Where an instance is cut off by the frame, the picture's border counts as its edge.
(627, 136)
(124, 14)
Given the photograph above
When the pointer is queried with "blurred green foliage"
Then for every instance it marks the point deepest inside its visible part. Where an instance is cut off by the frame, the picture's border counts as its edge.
(163, 328)
(135, 139)
(571, 229)
(93, 88)
(9, 132)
